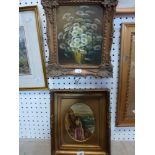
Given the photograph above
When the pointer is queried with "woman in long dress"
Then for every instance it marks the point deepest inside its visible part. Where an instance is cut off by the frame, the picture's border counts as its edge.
(79, 132)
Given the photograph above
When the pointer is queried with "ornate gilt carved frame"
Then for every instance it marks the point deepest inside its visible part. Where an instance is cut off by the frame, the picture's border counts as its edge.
(105, 68)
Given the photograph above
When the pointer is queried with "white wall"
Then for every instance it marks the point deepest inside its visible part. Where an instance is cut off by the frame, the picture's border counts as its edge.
(126, 3)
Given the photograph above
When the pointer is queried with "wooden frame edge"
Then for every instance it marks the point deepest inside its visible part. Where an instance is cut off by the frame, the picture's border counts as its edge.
(125, 10)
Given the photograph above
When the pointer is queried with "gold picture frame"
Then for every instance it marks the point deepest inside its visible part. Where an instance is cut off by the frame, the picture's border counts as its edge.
(38, 51)
(94, 123)
(126, 91)
(79, 55)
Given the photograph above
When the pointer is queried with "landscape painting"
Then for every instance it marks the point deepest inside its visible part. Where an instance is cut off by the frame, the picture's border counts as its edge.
(24, 67)
(80, 35)
(80, 122)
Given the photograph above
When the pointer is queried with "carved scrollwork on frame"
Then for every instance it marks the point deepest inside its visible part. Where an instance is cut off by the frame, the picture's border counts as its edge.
(52, 126)
(104, 67)
(49, 5)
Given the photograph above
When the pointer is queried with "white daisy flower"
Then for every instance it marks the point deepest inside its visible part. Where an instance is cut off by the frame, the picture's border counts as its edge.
(76, 24)
(86, 14)
(94, 26)
(60, 35)
(90, 12)
(99, 38)
(78, 29)
(84, 7)
(67, 25)
(67, 29)
(83, 35)
(74, 33)
(97, 21)
(73, 49)
(66, 15)
(79, 19)
(71, 45)
(80, 13)
(89, 33)
(84, 41)
(62, 46)
(77, 40)
(89, 37)
(97, 47)
(76, 45)
(88, 20)
(69, 18)
(88, 24)
(84, 28)
(83, 51)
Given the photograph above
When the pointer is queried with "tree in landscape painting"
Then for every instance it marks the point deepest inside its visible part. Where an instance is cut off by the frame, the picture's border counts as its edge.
(23, 58)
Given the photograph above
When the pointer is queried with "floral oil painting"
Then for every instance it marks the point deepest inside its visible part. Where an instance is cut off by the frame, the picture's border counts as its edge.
(80, 35)
(80, 122)
(24, 68)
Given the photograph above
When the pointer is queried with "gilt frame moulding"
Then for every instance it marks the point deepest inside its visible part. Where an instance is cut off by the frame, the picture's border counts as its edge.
(30, 47)
(99, 141)
(126, 91)
(103, 67)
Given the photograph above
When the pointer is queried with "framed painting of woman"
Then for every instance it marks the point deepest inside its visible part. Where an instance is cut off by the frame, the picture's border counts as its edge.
(79, 122)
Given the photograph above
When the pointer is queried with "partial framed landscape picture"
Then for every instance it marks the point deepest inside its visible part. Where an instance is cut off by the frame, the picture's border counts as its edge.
(126, 92)
(31, 65)
(79, 36)
(79, 122)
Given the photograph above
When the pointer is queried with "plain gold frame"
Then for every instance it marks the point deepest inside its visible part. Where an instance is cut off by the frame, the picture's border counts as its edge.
(121, 121)
(57, 145)
(39, 32)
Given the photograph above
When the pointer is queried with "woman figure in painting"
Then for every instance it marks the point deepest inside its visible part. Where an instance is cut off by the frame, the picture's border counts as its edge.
(79, 132)
(70, 122)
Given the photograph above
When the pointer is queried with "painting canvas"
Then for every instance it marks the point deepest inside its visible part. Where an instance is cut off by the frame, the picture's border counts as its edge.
(80, 122)
(80, 34)
(24, 67)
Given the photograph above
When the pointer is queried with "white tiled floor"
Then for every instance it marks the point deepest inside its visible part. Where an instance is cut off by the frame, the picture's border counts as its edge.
(34, 147)
(42, 147)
